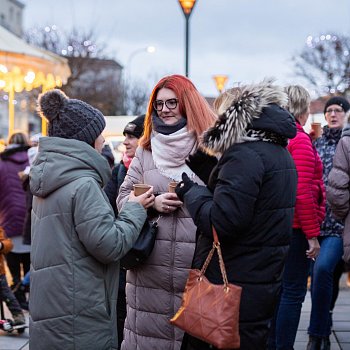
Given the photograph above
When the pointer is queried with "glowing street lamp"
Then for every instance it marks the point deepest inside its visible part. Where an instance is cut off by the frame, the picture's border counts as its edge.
(148, 49)
(220, 81)
(187, 7)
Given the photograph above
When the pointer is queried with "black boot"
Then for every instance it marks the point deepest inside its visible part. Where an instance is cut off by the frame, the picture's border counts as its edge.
(314, 343)
(325, 344)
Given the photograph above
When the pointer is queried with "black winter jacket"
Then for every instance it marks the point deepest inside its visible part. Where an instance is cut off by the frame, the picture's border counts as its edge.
(250, 201)
(113, 185)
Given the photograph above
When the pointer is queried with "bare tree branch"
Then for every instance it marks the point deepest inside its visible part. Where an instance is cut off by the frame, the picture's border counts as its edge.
(325, 63)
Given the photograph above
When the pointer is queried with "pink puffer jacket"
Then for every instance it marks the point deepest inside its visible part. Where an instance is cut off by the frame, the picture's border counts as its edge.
(310, 202)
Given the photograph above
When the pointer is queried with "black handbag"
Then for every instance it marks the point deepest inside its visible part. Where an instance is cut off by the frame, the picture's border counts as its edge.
(143, 246)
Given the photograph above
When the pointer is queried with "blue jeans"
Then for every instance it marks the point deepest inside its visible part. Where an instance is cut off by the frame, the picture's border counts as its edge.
(294, 288)
(322, 285)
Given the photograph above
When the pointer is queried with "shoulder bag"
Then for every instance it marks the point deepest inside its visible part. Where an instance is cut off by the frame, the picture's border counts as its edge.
(143, 246)
(210, 312)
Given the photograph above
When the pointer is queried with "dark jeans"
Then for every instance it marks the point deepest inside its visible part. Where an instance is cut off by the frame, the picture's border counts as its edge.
(338, 271)
(294, 288)
(322, 285)
(14, 262)
(8, 297)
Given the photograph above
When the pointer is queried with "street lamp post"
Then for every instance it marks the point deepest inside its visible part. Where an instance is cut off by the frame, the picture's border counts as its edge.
(187, 7)
(127, 73)
(220, 81)
(149, 49)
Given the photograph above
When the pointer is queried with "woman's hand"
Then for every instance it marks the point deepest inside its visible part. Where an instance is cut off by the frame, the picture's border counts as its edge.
(146, 199)
(167, 203)
(314, 248)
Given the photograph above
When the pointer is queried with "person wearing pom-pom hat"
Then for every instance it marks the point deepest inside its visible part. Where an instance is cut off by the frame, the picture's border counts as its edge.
(76, 241)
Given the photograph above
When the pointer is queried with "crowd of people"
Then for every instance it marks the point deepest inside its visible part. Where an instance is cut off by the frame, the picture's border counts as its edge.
(278, 199)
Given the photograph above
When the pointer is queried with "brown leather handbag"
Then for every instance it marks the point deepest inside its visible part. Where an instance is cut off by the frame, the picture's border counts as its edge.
(210, 312)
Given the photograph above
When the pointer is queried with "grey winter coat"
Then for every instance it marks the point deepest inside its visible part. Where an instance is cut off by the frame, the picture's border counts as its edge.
(338, 191)
(154, 291)
(76, 247)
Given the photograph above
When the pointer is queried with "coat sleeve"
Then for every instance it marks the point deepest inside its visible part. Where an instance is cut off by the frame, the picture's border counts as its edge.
(104, 237)
(231, 207)
(339, 181)
(306, 209)
(133, 176)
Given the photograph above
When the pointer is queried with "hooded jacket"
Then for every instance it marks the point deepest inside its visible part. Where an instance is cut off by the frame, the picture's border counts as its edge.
(338, 193)
(76, 247)
(250, 201)
(12, 196)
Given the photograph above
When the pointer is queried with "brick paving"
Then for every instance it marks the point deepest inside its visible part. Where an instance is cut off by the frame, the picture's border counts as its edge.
(340, 338)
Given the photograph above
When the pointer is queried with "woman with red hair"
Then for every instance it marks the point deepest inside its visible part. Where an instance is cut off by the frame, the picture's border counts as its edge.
(176, 116)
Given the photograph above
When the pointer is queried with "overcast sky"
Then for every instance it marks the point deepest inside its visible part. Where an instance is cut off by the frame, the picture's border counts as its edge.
(244, 39)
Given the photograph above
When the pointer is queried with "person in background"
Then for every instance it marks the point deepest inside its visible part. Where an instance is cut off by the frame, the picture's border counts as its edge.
(176, 116)
(76, 241)
(13, 160)
(308, 216)
(249, 199)
(21, 289)
(132, 132)
(338, 193)
(323, 287)
(6, 294)
(107, 153)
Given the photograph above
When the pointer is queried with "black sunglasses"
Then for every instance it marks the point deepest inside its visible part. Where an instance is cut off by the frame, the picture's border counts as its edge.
(159, 104)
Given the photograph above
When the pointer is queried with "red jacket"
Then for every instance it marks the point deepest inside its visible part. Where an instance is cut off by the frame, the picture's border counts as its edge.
(310, 202)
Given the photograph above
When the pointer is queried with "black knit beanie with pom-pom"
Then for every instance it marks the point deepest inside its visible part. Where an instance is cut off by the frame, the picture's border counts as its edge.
(70, 118)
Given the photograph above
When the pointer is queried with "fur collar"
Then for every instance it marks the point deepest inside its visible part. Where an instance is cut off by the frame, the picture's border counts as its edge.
(232, 125)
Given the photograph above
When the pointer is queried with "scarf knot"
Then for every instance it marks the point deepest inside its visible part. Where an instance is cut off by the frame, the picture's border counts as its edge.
(169, 153)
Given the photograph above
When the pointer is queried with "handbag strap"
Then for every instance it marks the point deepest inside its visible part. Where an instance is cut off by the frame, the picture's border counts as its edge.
(216, 246)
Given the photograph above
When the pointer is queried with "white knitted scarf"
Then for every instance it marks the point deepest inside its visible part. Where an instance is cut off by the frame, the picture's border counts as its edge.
(170, 151)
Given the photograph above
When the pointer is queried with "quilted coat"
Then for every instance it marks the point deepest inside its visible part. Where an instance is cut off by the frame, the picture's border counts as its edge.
(12, 195)
(76, 247)
(250, 201)
(338, 190)
(154, 291)
(310, 203)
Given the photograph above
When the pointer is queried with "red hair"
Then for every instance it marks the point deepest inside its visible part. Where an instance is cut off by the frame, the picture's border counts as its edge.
(192, 106)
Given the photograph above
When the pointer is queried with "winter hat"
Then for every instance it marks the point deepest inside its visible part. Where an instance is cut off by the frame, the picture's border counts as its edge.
(135, 127)
(70, 118)
(337, 100)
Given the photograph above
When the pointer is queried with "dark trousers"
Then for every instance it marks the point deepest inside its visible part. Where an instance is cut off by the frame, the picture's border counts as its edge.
(322, 285)
(121, 306)
(294, 287)
(14, 262)
(8, 297)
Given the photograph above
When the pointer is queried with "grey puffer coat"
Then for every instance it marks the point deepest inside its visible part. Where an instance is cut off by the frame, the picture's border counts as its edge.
(154, 291)
(338, 193)
(76, 247)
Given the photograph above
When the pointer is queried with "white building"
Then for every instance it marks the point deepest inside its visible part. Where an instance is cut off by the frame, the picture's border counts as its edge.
(11, 16)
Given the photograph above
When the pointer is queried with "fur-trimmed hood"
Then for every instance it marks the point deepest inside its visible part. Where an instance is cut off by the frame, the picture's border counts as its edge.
(254, 107)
